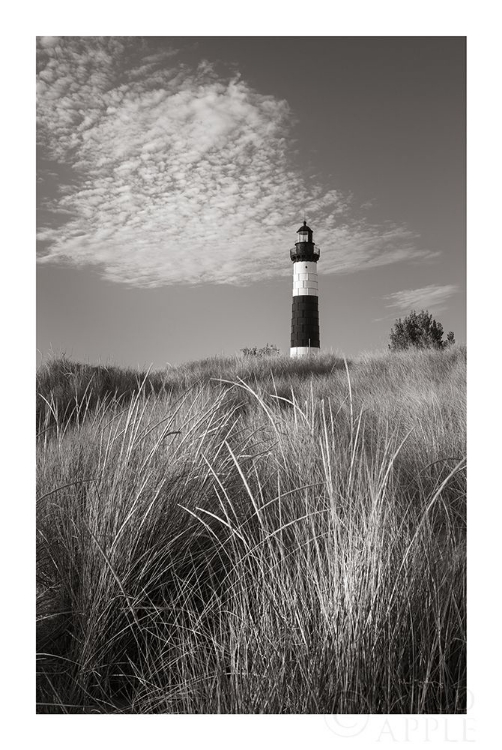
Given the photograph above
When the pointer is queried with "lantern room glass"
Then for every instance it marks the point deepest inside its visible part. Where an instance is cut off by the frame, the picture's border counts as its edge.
(303, 236)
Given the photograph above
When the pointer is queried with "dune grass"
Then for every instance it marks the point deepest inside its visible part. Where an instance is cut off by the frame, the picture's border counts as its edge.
(253, 536)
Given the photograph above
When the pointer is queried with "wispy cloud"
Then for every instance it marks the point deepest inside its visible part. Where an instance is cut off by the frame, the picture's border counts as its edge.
(180, 175)
(432, 297)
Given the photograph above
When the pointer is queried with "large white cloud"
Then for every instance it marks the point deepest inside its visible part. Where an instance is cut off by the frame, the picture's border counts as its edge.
(181, 175)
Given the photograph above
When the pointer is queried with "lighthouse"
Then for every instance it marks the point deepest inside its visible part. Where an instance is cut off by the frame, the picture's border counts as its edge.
(305, 319)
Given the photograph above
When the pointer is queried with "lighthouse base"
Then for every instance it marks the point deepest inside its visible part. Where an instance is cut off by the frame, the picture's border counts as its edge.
(303, 351)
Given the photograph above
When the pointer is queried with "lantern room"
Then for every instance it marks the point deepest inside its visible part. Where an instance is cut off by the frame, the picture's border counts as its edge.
(305, 247)
(304, 233)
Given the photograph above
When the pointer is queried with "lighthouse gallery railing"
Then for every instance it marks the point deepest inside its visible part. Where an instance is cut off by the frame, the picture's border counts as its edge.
(301, 254)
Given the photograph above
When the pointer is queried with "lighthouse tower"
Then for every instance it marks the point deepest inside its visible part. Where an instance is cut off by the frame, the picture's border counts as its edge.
(305, 321)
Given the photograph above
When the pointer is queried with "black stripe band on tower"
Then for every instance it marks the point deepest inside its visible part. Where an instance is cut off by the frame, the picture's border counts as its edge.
(305, 322)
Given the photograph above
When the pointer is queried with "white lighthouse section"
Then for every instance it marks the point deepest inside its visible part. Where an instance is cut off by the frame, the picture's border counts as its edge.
(301, 351)
(305, 279)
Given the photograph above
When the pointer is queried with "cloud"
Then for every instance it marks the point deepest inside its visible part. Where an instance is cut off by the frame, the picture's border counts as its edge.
(428, 297)
(181, 175)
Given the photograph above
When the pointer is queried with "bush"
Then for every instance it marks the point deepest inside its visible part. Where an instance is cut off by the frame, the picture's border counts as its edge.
(419, 330)
(265, 351)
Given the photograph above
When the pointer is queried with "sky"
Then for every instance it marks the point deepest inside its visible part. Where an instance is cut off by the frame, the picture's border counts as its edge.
(173, 173)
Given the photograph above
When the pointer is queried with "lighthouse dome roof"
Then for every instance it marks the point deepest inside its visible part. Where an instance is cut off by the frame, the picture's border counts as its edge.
(304, 228)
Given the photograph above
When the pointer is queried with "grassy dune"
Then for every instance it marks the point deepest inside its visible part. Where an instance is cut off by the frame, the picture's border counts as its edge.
(253, 536)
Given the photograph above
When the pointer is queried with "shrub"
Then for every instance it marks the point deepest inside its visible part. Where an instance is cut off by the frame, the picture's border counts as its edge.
(419, 330)
(266, 351)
